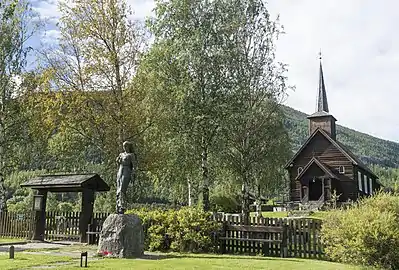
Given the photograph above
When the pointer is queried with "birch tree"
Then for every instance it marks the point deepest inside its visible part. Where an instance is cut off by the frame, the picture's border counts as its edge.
(257, 143)
(93, 66)
(191, 34)
(15, 16)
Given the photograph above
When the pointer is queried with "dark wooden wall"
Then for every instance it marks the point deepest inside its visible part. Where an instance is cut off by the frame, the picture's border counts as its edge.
(326, 123)
(328, 154)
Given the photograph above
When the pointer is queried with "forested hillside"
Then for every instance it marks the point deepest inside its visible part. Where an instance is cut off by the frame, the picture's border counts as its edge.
(381, 155)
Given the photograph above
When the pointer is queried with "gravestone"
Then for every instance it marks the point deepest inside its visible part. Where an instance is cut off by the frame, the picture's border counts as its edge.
(122, 236)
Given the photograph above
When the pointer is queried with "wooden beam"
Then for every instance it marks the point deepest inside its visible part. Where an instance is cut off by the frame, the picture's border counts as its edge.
(86, 214)
(251, 228)
(40, 219)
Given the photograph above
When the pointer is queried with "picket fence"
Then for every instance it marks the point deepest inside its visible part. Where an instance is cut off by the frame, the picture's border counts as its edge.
(61, 226)
(16, 225)
(302, 239)
(301, 235)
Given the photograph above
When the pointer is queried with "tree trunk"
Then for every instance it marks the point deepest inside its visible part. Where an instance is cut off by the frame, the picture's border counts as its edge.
(258, 202)
(2, 131)
(121, 103)
(205, 176)
(189, 192)
(245, 204)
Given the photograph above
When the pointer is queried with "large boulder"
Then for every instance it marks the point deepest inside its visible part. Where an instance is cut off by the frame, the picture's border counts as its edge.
(122, 236)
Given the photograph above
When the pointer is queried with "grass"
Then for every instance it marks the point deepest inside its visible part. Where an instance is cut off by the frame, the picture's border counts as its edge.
(179, 261)
(11, 240)
(22, 261)
(165, 261)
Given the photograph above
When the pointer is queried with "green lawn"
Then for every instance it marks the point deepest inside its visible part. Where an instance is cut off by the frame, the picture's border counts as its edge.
(172, 261)
(23, 261)
(11, 240)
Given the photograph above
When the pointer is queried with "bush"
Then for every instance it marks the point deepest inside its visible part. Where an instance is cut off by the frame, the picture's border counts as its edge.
(367, 233)
(225, 203)
(153, 206)
(185, 230)
(65, 207)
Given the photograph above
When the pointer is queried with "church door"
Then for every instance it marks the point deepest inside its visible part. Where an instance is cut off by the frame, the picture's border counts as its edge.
(315, 189)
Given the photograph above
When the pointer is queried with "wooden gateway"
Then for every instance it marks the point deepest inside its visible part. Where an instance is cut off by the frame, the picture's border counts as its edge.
(88, 184)
(324, 165)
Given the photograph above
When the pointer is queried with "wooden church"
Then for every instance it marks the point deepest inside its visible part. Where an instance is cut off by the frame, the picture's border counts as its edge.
(323, 165)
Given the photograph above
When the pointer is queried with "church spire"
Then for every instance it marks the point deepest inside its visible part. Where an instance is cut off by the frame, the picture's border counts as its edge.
(322, 118)
(322, 104)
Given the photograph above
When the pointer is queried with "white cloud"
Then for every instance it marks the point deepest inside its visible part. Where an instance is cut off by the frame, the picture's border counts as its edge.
(47, 10)
(141, 8)
(360, 59)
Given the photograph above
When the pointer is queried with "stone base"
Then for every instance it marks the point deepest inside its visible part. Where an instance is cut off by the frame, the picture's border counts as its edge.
(122, 236)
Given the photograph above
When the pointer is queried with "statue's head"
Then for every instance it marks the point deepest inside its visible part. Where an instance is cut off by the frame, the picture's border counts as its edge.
(128, 147)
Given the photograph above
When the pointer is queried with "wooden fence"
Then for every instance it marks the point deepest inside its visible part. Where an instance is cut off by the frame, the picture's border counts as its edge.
(301, 240)
(59, 225)
(16, 225)
(297, 237)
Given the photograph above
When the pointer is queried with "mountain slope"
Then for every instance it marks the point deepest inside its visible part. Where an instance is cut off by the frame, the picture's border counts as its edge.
(369, 149)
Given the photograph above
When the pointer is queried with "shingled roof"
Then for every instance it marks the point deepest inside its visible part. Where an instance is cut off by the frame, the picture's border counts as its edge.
(67, 182)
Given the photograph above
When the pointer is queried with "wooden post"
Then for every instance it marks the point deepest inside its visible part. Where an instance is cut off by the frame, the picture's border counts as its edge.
(83, 255)
(328, 189)
(12, 250)
(222, 241)
(40, 218)
(86, 213)
(284, 244)
(306, 188)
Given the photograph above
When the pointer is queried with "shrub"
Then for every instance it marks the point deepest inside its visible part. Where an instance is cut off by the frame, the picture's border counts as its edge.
(225, 203)
(65, 207)
(185, 230)
(367, 233)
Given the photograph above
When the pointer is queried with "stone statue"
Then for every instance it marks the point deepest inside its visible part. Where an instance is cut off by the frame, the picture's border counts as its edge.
(125, 174)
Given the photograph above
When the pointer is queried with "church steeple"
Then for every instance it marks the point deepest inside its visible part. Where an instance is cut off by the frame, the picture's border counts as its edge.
(322, 104)
(322, 117)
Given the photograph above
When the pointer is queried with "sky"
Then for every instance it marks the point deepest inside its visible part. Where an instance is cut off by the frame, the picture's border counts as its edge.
(360, 51)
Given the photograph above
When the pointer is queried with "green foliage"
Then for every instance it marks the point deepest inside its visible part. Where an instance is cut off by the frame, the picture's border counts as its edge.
(223, 202)
(367, 233)
(15, 27)
(389, 177)
(65, 207)
(20, 200)
(185, 230)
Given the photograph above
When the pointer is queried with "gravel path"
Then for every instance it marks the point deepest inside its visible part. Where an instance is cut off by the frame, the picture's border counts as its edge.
(27, 246)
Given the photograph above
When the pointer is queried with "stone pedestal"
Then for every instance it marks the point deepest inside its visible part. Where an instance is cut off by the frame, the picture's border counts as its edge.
(122, 236)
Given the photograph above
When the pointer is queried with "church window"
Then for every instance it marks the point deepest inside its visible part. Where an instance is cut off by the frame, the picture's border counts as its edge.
(371, 185)
(359, 180)
(300, 169)
(341, 169)
(365, 184)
